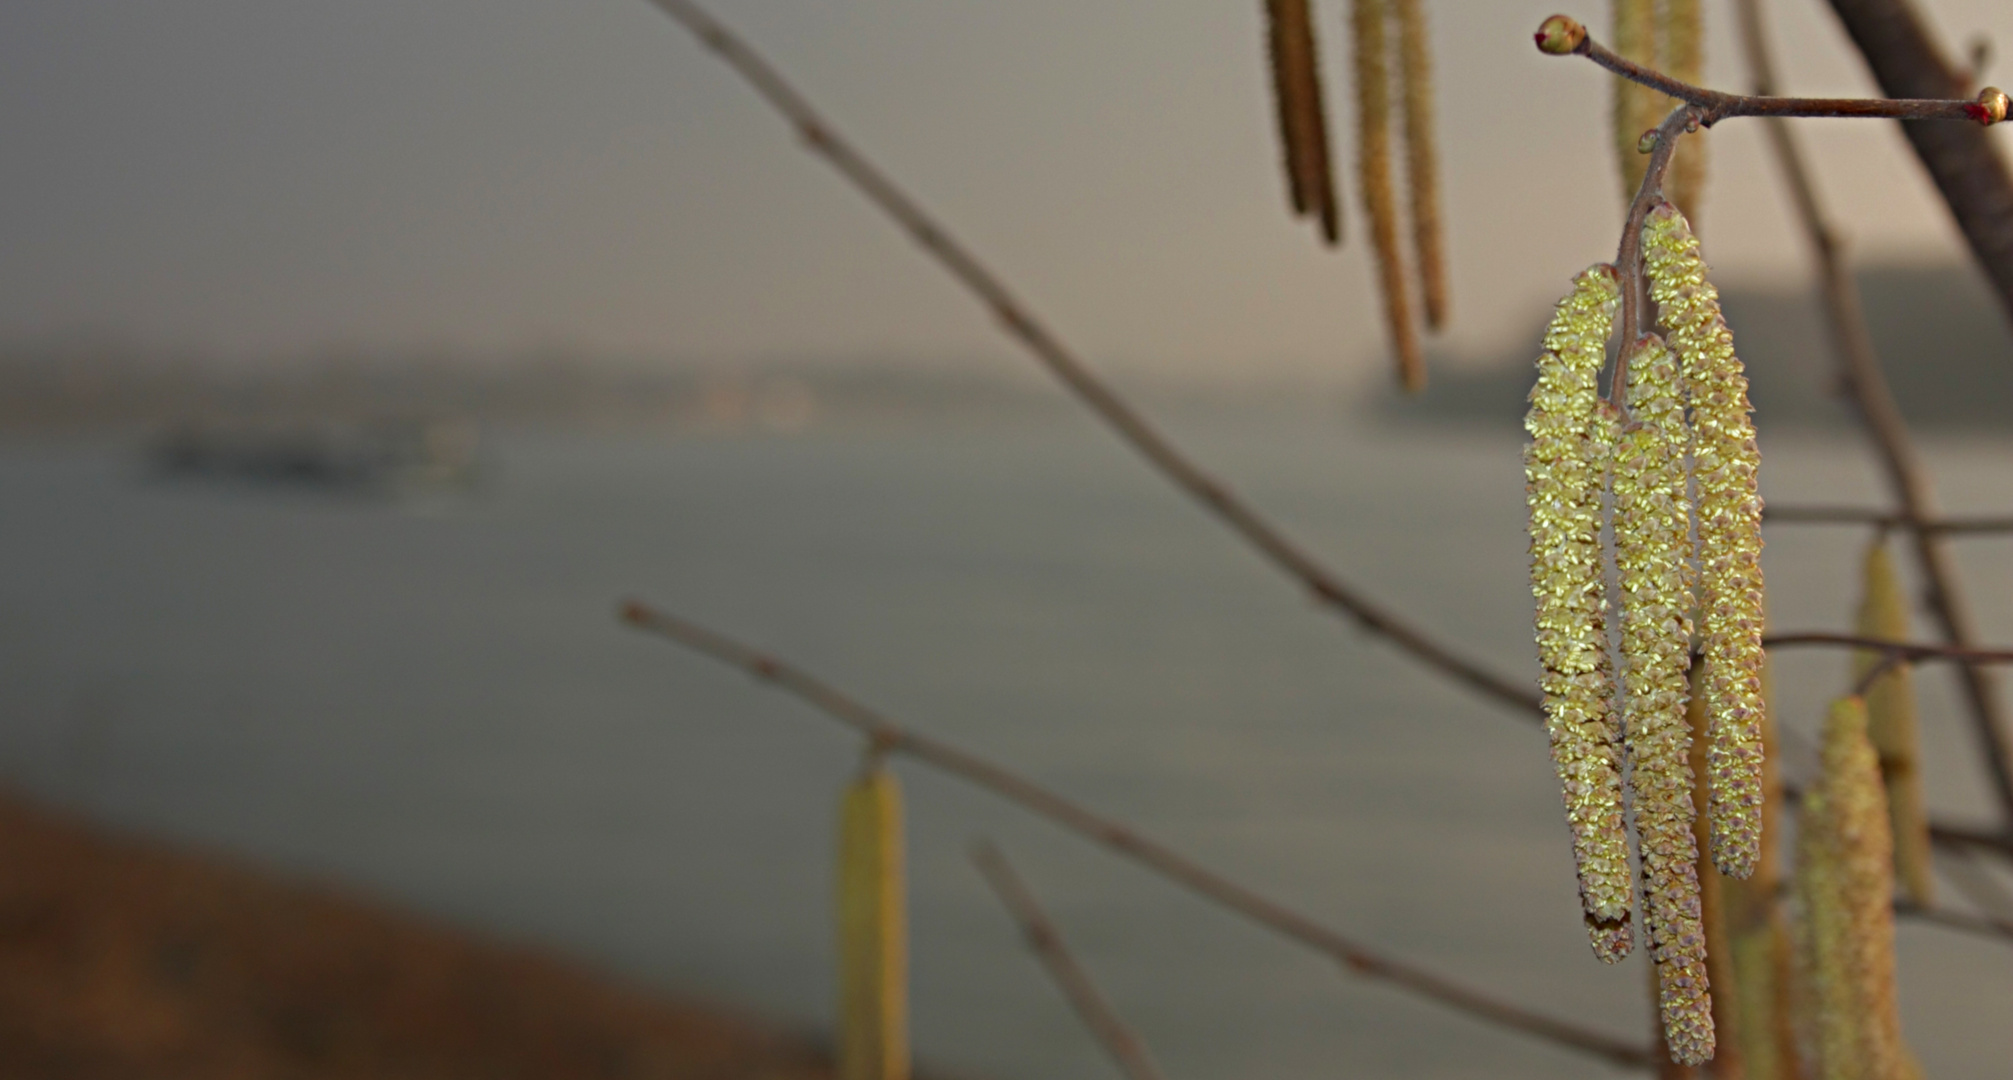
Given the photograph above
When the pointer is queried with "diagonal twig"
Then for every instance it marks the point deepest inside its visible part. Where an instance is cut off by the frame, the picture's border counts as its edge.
(1151, 854)
(1884, 519)
(1117, 1037)
(1907, 480)
(820, 138)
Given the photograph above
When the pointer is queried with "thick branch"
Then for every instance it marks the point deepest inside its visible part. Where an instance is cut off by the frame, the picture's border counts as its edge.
(1118, 1039)
(1154, 856)
(1966, 167)
(1907, 479)
(820, 138)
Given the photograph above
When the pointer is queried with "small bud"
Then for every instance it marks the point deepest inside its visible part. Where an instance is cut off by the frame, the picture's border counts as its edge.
(1563, 34)
(1647, 142)
(1991, 106)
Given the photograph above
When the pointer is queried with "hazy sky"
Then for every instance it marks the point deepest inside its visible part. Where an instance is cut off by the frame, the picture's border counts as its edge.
(285, 177)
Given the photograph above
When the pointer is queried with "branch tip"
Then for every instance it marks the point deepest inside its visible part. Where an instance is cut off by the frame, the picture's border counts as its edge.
(1990, 108)
(1561, 35)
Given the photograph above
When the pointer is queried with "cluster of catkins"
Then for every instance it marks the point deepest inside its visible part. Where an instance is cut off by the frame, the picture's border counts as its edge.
(1679, 461)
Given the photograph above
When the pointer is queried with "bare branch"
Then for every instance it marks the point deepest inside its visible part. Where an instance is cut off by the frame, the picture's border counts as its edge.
(1884, 519)
(1904, 649)
(1980, 925)
(1117, 1038)
(1866, 384)
(1154, 856)
(1328, 588)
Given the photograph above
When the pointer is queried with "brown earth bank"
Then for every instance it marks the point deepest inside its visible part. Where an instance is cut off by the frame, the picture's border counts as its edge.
(127, 958)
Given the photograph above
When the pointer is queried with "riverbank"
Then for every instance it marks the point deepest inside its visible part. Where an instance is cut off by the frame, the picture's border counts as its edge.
(121, 957)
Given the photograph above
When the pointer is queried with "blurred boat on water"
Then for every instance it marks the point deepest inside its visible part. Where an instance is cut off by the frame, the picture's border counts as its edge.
(385, 457)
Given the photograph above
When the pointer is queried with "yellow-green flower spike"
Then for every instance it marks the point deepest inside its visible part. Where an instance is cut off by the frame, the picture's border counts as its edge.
(1890, 723)
(1565, 470)
(1845, 878)
(1652, 523)
(1725, 462)
(873, 931)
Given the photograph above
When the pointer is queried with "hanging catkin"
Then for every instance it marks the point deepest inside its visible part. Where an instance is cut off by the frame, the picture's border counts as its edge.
(1725, 463)
(1763, 955)
(1380, 201)
(1565, 470)
(1422, 166)
(1637, 108)
(1715, 892)
(1303, 121)
(873, 931)
(1890, 723)
(1845, 879)
(1681, 55)
(1652, 557)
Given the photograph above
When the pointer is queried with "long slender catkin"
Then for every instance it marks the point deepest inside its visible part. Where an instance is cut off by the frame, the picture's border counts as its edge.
(1763, 953)
(873, 931)
(1725, 463)
(1652, 558)
(1637, 108)
(1565, 471)
(1681, 54)
(1303, 121)
(1715, 895)
(1845, 879)
(1368, 20)
(1890, 723)
(1422, 164)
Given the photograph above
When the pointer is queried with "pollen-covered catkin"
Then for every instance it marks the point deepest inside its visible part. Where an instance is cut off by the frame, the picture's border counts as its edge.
(873, 931)
(1303, 122)
(1890, 723)
(1725, 462)
(1652, 556)
(1369, 20)
(1565, 470)
(1845, 880)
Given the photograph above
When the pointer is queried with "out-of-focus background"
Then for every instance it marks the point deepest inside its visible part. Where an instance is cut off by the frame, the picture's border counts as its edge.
(355, 359)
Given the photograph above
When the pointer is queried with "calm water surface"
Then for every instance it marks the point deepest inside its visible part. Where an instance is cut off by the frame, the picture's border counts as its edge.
(435, 703)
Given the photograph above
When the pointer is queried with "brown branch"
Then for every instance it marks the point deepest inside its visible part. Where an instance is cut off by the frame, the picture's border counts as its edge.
(1967, 168)
(1241, 517)
(1988, 108)
(1980, 925)
(1111, 1032)
(1884, 519)
(1907, 479)
(1154, 856)
(1907, 650)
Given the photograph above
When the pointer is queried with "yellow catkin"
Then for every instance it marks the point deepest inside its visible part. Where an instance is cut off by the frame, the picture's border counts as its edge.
(1303, 122)
(1725, 463)
(1368, 19)
(1422, 165)
(1890, 723)
(1637, 108)
(1681, 55)
(1715, 893)
(1652, 560)
(1565, 470)
(873, 931)
(1845, 879)
(1763, 955)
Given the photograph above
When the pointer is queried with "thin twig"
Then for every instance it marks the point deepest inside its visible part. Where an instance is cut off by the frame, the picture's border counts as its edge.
(1111, 1032)
(1714, 105)
(1979, 925)
(1986, 894)
(1327, 588)
(1907, 479)
(1154, 856)
(1907, 650)
(1885, 519)
(1636, 318)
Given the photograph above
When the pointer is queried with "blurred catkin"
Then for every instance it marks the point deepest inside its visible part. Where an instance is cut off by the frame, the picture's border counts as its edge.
(873, 931)
(1845, 880)
(1303, 121)
(1724, 468)
(1565, 471)
(1681, 52)
(1637, 108)
(1890, 723)
(1652, 559)
(1369, 19)
(1713, 897)
(1422, 165)
(1763, 954)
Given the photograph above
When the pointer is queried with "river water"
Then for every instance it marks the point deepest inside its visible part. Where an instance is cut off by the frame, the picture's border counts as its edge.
(433, 701)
